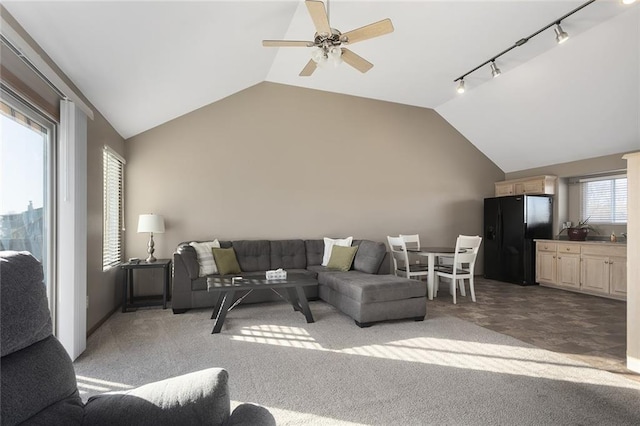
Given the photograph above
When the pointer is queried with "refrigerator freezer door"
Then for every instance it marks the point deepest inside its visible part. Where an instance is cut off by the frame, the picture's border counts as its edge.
(513, 218)
(492, 240)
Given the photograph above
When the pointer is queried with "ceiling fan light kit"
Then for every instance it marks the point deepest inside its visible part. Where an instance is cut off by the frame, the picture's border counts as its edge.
(561, 37)
(327, 42)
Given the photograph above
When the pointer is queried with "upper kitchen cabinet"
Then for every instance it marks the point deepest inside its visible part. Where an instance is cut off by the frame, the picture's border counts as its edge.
(529, 186)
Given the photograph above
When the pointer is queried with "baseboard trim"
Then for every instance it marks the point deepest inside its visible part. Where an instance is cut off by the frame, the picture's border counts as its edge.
(102, 321)
(633, 364)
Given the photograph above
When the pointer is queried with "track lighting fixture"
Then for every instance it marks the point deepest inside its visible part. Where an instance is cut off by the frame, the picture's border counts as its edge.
(561, 36)
(495, 71)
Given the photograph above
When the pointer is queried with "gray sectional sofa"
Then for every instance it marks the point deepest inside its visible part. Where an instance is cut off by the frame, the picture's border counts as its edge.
(366, 293)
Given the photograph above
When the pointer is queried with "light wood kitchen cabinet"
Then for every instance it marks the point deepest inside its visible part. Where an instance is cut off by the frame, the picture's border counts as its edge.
(504, 189)
(587, 267)
(532, 186)
(604, 270)
(546, 262)
(568, 266)
(595, 274)
(618, 275)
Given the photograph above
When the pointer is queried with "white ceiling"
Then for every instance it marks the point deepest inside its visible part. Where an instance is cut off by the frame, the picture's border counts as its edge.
(142, 63)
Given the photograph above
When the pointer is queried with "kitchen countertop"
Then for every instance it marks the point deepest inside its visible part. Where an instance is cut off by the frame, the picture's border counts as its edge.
(596, 242)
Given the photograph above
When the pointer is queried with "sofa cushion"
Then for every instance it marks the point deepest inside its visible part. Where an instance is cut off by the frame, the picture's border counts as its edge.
(369, 288)
(328, 246)
(342, 258)
(39, 385)
(253, 255)
(288, 254)
(24, 317)
(197, 398)
(315, 251)
(226, 261)
(190, 259)
(205, 256)
(369, 257)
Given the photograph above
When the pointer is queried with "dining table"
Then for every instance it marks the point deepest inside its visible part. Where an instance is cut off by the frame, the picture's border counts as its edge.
(432, 253)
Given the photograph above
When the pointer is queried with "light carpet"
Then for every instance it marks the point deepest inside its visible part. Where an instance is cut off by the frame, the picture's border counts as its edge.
(440, 371)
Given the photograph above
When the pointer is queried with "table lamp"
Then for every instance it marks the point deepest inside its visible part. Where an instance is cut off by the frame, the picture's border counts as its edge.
(151, 223)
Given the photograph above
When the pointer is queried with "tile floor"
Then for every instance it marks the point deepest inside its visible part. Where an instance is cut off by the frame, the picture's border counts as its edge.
(589, 328)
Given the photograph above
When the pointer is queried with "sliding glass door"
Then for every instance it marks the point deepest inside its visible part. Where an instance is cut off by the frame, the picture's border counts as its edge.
(27, 174)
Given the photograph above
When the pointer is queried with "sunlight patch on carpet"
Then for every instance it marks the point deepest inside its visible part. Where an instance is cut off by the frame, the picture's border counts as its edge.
(496, 358)
(86, 384)
(278, 335)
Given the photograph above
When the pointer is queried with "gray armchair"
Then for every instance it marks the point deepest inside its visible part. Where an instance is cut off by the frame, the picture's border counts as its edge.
(38, 382)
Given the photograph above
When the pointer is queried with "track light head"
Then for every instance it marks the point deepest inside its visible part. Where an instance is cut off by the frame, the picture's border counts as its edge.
(495, 71)
(561, 35)
(460, 89)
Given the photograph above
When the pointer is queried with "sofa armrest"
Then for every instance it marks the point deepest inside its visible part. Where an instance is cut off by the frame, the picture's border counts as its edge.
(199, 398)
(248, 414)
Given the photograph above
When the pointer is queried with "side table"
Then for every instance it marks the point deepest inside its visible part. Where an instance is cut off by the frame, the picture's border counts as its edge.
(129, 267)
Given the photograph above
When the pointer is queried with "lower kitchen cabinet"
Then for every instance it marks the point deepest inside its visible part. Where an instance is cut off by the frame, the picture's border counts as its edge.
(588, 267)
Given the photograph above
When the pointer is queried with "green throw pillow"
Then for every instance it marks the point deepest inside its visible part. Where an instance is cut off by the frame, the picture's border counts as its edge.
(226, 261)
(342, 258)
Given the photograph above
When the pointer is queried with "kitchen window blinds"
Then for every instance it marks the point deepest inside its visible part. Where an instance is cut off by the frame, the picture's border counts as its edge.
(604, 199)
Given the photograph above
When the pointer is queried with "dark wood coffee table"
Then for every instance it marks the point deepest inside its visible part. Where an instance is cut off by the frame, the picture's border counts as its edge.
(228, 286)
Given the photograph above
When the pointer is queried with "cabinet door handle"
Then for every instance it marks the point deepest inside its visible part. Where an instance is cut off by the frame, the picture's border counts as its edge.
(568, 248)
(606, 261)
(611, 262)
(559, 257)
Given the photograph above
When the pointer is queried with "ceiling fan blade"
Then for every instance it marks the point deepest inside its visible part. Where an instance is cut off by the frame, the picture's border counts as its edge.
(356, 61)
(286, 43)
(308, 69)
(319, 16)
(368, 31)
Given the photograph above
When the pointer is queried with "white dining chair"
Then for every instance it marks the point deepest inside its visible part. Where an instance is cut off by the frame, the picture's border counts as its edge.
(462, 267)
(412, 241)
(401, 263)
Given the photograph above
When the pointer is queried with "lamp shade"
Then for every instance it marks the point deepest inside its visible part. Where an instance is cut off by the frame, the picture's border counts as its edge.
(151, 223)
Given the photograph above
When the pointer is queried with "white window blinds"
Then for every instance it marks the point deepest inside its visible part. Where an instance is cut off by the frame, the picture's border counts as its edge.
(604, 200)
(113, 174)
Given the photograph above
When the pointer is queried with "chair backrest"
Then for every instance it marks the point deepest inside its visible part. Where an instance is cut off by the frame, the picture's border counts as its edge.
(36, 370)
(466, 251)
(411, 241)
(398, 251)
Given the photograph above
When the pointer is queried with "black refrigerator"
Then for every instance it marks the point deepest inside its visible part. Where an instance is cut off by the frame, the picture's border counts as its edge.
(510, 225)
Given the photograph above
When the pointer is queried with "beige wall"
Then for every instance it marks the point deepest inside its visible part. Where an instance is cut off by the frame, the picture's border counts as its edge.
(277, 162)
(102, 287)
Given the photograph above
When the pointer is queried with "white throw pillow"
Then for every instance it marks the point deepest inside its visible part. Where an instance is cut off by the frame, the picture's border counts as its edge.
(205, 256)
(328, 245)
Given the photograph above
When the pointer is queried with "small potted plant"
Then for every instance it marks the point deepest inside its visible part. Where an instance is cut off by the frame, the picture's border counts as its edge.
(580, 231)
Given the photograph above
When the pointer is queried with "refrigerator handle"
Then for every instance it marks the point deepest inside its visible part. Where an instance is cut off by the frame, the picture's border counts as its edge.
(499, 228)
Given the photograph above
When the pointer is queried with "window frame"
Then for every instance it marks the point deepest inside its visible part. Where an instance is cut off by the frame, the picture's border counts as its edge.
(112, 251)
(583, 202)
(32, 111)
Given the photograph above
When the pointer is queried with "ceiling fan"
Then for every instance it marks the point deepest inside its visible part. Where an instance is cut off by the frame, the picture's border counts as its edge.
(327, 42)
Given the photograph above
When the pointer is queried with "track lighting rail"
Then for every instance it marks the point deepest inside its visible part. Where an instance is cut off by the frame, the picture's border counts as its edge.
(524, 40)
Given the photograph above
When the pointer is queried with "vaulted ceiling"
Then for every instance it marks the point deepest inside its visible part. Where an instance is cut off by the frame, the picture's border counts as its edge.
(142, 63)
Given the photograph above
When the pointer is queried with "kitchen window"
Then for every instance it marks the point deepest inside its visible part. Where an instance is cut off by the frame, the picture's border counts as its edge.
(604, 199)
